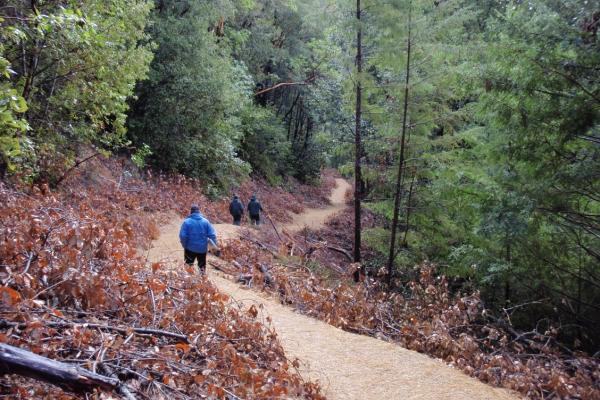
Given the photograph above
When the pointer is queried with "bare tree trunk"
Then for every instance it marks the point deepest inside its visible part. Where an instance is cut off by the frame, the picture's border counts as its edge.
(33, 60)
(357, 139)
(408, 207)
(398, 195)
(507, 278)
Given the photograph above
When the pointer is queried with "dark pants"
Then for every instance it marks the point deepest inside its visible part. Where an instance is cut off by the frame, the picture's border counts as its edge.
(190, 257)
(237, 220)
(254, 219)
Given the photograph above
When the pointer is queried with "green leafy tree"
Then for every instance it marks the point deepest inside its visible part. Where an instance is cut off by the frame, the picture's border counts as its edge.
(75, 66)
(282, 45)
(11, 126)
(188, 111)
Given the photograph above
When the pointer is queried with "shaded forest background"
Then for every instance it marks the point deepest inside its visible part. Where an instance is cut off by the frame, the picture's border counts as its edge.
(496, 105)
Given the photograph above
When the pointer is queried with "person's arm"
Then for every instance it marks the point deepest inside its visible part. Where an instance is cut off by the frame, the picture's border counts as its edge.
(211, 234)
(183, 235)
(260, 207)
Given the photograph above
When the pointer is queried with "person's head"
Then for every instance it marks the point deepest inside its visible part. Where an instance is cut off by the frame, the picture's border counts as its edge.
(194, 209)
(235, 197)
(253, 197)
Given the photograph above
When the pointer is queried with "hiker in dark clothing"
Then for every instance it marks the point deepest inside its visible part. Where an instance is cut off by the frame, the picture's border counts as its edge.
(236, 209)
(195, 235)
(254, 209)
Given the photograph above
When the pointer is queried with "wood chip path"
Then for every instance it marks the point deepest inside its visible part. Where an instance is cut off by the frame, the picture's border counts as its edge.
(347, 365)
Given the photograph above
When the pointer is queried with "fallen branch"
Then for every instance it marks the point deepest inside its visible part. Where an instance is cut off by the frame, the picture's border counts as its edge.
(334, 248)
(262, 246)
(125, 331)
(342, 251)
(221, 266)
(74, 167)
(14, 360)
(273, 225)
(32, 257)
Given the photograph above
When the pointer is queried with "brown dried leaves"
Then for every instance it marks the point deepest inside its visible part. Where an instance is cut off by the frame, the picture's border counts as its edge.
(73, 288)
(428, 320)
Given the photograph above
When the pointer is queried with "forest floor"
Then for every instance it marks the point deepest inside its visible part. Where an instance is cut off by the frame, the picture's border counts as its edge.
(348, 366)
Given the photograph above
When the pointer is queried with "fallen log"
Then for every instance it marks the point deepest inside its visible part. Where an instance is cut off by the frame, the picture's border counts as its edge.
(342, 251)
(224, 267)
(333, 248)
(14, 360)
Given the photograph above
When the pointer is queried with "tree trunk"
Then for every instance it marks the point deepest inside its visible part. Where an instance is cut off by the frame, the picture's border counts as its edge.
(408, 208)
(507, 278)
(357, 139)
(398, 195)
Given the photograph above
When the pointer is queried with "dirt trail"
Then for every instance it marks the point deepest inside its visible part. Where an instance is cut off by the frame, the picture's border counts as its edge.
(348, 366)
(315, 218)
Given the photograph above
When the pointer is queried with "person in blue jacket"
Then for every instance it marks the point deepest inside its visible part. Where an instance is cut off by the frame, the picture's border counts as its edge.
(195, 234)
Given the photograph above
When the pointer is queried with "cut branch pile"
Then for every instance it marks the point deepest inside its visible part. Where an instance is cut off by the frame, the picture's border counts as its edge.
(74, 293)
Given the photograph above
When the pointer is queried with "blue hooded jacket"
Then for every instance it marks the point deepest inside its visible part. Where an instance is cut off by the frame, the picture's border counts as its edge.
(195, 232)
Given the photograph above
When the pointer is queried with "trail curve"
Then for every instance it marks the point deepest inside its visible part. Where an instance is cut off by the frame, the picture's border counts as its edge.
(348, 366)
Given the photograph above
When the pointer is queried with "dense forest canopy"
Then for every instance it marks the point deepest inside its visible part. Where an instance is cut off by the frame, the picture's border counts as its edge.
(479, 122)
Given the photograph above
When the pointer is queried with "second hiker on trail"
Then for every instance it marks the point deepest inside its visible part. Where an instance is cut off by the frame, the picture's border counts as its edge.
(236, 209)
(195, 235)
(254, 209)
